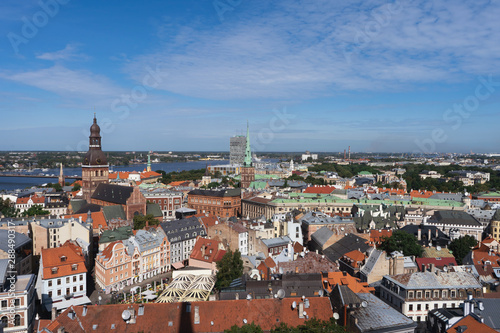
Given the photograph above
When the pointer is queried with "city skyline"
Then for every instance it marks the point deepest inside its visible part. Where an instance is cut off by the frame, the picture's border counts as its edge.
(377, 76)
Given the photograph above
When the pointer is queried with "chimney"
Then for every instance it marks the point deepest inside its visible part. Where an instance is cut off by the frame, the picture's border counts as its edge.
(433, 268)
(419, 234)
(53, 313)
(429, 238)
(80, 219)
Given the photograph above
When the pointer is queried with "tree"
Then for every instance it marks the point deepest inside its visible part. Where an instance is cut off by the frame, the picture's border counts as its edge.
(460, 247)
(247, 328)
(311, 325)
(404, 242)
(76, 187)
(229, 268)
(140, 221)
(7, 208)
(35, 210)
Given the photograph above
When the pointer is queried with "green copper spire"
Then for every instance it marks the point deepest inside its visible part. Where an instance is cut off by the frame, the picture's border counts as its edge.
(248, 152)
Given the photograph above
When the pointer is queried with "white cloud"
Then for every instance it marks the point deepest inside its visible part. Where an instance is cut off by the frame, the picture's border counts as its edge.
(325, 48)
(66, 82)
(68, 53)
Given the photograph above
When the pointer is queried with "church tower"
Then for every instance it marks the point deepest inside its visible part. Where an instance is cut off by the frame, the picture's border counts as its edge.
(61, 179)
(95, 168)
(247, 170)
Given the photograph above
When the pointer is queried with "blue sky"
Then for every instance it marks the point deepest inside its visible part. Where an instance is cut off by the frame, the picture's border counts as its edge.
(387, 76)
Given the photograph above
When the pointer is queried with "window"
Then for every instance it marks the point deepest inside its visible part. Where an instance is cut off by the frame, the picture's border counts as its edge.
(81, 277)
(67, 279)
(427, 294)
(410, 294)
(81, 287)
(419, 307)
(5, 321)
(436, 293)
(74, 278)
(50, 294)
(427, 306)
(4, 303)
(50, 283)
(453, 294)
(58, 292)
(74, 289)
(410, 307)
(58, 282)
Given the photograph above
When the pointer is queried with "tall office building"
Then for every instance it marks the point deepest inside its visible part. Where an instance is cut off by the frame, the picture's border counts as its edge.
(237, 146)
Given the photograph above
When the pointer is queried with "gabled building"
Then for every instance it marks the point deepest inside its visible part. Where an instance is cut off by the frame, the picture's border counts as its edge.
(25, 203)
(456, 224)
(182, 235)
(62, 277)
(113, 267)
(131, 199)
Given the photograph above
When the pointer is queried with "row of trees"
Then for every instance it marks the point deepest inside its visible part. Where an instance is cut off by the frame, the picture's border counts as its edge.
(311, 325)
(409, 246)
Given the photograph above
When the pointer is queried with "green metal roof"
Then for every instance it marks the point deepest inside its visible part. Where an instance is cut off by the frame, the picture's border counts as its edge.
(154, 209)
(117, 234)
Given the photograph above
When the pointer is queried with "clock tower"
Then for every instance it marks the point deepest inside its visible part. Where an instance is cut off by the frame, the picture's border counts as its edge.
(95, 168)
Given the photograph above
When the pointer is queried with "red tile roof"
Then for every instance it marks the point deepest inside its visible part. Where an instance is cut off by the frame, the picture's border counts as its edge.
(123, 175)
(470, 325)
(320, 189)
(208, 221)
(215, 316)
(54, 258)
(207, 250)
(438, 262)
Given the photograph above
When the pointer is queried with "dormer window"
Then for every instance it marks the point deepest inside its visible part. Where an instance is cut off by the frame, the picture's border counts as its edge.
(74, 267)
(54, 270)
(63, 258)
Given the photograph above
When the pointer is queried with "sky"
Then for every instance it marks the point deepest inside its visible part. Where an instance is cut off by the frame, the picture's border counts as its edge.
(379, 76)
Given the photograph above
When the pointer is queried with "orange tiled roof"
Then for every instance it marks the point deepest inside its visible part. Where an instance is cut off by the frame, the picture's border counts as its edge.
(149, 174)
(97, 219)
(77, 182)
(376, 236)
(207, 250)
(123, 175)
(355, 255)
(107, 253)
(392, 191)
(422, 194)
(471, 326)
(342, 278)
(51, 258)
(35, 199)
(177, 183)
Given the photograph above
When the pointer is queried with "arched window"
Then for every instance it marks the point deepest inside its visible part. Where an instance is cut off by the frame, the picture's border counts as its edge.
(5, 321)
(17, 320)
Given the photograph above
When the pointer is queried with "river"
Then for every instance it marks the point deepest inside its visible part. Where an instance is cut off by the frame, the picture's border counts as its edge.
(12, 183)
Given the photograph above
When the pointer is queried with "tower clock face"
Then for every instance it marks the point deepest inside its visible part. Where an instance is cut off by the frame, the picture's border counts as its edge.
(98, 161)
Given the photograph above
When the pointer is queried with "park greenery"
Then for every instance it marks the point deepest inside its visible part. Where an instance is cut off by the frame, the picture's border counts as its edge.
(35, 210)
(460, 247)
(140, 221)
(403, 242)
(230, 267)
(312, 325)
